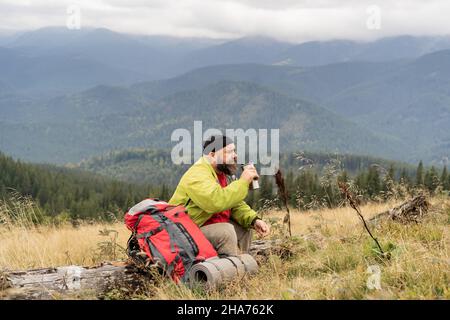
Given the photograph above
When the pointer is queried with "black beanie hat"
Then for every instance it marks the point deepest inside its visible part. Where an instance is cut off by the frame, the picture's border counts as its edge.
(214, 143)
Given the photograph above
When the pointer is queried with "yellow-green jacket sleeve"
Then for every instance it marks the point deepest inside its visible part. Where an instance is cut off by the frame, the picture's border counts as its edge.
(207, 194)
(243, 214)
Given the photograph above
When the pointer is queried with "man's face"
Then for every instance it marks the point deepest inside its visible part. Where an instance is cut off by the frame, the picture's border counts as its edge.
(226, 159)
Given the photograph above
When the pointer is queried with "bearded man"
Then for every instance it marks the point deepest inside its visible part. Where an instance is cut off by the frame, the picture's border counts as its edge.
(215, 202)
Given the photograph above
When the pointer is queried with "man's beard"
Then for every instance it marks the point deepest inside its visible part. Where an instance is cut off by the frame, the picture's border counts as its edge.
(228, 169)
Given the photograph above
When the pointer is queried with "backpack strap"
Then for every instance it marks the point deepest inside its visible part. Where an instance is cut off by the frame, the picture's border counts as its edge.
(149, 211)
(180, 238)
(149, 233)
(137, 223)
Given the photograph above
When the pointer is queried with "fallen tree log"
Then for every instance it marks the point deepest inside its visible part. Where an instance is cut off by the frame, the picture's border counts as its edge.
(54, 283)
(71, 281)
(410, 211)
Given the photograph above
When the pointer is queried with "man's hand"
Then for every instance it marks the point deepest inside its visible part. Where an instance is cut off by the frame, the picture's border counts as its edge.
(249, 174)
(261, 227)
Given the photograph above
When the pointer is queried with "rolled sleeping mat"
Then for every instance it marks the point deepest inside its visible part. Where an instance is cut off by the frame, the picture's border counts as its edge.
(206, 274)
(227, 269)
(250, 264)
(240, 268)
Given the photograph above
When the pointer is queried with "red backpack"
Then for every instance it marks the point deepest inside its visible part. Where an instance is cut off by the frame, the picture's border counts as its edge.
(168, 237)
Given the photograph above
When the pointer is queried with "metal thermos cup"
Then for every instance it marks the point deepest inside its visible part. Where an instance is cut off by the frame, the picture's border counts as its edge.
(255, 184)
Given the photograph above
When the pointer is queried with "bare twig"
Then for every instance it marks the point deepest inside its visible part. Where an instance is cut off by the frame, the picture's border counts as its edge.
(351, 200)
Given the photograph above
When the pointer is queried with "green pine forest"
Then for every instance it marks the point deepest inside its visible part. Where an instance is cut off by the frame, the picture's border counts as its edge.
(70, 192)
(99, 188)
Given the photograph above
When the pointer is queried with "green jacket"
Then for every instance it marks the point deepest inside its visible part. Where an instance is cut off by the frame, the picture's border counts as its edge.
(200, 184)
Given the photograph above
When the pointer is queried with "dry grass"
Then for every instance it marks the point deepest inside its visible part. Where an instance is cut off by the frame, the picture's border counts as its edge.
(50, 246)
(25, 245)
(330, 262)
(337, 219)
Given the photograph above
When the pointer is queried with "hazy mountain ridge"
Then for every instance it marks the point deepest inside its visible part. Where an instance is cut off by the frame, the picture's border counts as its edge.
(397, 107)
(102, 56)
(77, 126)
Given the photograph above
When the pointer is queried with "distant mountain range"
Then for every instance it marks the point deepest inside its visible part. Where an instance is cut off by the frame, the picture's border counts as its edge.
(73, 127)
(57, 60)
(404, 101)
(67, 95)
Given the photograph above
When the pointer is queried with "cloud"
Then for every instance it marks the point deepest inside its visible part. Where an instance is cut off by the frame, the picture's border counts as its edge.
(289, 20)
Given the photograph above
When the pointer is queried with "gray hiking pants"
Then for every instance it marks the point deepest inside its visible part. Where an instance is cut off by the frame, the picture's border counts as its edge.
(228, 238)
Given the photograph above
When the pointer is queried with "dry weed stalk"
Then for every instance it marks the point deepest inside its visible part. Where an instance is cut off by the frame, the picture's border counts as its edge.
(279, 180)
(351, 200)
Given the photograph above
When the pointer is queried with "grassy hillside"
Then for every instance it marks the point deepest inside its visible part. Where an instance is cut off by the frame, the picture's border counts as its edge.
(332, 254)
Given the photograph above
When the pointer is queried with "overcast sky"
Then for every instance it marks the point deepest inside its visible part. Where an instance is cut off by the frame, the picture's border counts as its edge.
(289, 20)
